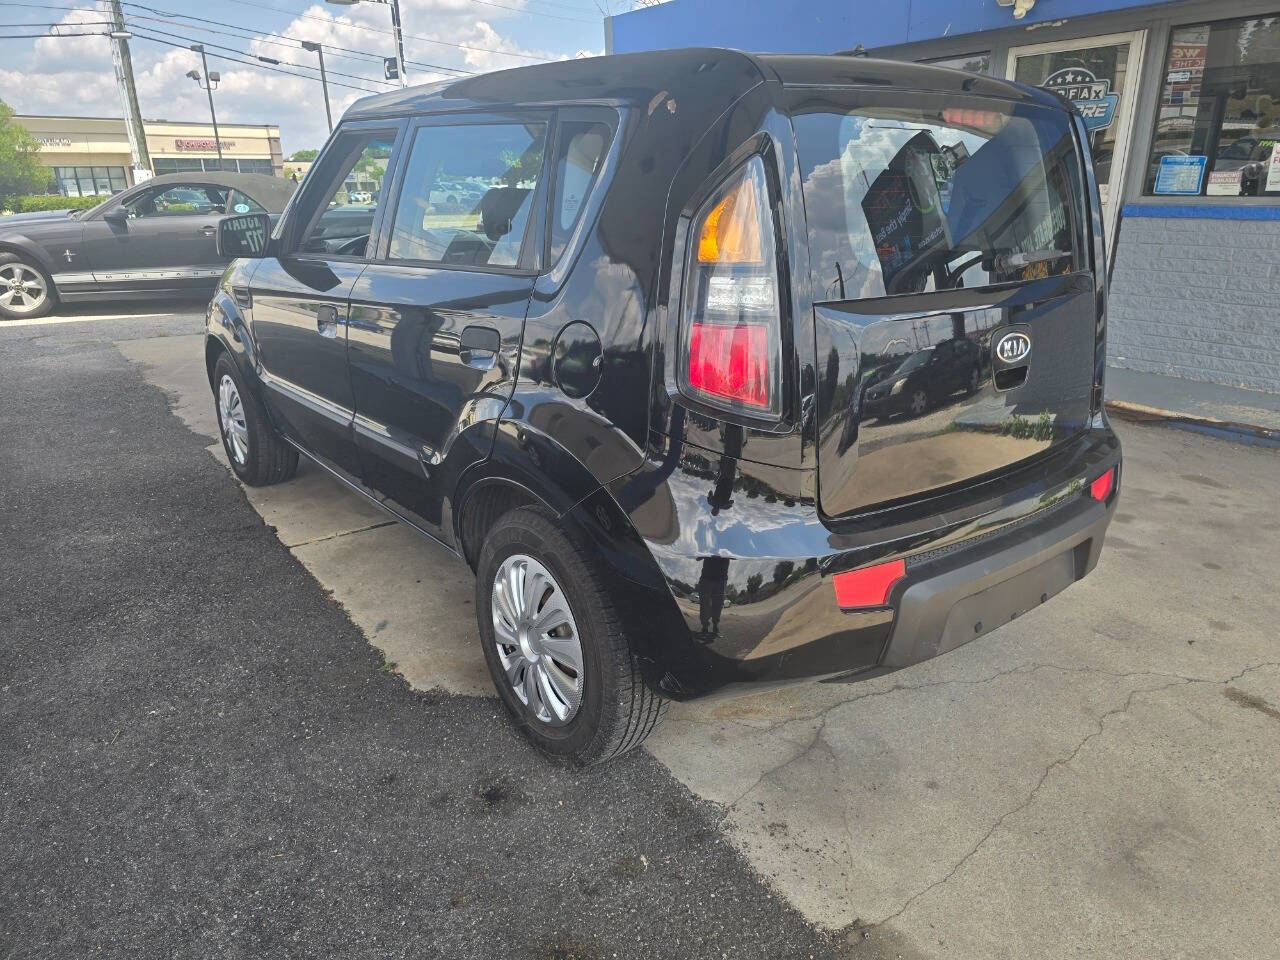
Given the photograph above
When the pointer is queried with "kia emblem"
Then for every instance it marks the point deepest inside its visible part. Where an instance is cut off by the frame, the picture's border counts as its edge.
(1013, 347)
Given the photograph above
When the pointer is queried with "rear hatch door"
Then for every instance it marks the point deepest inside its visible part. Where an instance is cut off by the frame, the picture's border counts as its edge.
(955, 314)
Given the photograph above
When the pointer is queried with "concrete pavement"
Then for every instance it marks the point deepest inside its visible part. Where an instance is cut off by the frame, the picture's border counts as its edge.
(1100, 778)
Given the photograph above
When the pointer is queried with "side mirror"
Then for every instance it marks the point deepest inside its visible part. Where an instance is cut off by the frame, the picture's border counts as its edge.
(244, 235)
(117, 215)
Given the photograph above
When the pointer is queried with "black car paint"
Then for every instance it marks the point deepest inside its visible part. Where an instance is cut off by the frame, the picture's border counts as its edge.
(90, 255)
(686, 506)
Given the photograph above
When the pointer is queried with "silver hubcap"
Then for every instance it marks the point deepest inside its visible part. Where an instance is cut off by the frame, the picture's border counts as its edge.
(231, 418)
(537, 639)
(918, 401)
(22, 289)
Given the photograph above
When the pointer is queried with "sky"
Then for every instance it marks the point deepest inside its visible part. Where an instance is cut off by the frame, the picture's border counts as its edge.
(73, 75)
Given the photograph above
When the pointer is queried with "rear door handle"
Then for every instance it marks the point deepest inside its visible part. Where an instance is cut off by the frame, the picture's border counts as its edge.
(327, 320)
(209, 230)
(479, 347)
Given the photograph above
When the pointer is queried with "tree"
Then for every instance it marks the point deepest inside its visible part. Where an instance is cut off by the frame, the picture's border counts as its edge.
(300, 155)
(20, 168)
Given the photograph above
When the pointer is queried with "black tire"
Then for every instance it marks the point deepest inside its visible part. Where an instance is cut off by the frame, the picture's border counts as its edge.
(268, 458)
(618, 710)
(51, 292)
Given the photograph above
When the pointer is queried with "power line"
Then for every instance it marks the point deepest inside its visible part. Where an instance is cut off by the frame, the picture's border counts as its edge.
(264, 35)
(359, 26)
(41, 36)
(246, 53)
(536, 13)
(331, 21)
(250, 63)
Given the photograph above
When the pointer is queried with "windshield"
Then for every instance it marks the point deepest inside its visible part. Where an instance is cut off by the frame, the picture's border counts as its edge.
(938, 195)
(915, 361)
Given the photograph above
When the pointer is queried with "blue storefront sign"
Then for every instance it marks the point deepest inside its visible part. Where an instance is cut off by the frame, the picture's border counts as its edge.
(1180, 176)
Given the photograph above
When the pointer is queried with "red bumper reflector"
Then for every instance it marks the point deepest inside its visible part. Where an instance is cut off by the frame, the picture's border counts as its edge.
(870, 586)
(1100, 489)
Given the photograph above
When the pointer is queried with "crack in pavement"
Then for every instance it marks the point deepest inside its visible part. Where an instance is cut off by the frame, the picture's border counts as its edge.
(1061, 762)
(341, 533)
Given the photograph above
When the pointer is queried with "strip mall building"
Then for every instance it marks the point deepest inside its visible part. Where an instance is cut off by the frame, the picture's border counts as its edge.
(1183, 98)
(90, 155)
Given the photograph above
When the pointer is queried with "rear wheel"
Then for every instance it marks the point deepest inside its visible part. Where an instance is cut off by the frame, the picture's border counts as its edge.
(25, 290)
(259, 456)
(556, 645)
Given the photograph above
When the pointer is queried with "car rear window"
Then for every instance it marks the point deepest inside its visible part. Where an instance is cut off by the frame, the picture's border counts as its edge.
(936, 195)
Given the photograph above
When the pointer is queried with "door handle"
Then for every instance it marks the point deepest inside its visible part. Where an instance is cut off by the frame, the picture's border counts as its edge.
(479, 347)
(327, 320)
(208, 229)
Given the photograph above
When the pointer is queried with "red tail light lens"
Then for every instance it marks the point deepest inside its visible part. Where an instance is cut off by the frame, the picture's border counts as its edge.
(731, 362)
(868, 587)
(1101, 488)
(731, 355)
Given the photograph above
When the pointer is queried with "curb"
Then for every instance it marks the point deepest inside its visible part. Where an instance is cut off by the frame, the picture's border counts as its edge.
(1224, 429)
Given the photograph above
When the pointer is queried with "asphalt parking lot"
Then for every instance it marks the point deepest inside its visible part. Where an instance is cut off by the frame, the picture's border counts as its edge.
(258, 722)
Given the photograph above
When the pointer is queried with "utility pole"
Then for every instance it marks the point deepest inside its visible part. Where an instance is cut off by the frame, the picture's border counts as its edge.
(395, 25)
(140, 156)
(210, 80)
(318, 49)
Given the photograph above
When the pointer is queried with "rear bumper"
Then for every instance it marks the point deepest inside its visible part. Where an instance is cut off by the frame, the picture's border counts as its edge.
(948, 604)
(752, 604)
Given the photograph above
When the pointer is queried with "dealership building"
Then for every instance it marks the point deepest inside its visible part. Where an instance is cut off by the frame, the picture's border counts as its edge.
(1183, 100)
(89, 156)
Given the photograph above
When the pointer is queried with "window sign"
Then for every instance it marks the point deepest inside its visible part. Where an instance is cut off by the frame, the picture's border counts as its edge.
(1180, 175)
(1220, 103)
(1088, 94)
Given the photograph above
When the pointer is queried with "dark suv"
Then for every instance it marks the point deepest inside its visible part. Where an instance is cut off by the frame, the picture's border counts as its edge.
(623, 375)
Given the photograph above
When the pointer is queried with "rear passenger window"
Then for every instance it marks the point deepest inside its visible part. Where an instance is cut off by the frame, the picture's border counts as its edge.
(581, 151)
(468, 194)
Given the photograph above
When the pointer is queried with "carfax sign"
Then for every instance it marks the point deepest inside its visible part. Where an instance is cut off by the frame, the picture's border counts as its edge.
(1091, 96)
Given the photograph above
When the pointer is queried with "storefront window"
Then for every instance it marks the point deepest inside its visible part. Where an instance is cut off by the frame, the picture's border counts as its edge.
(1093, 76)
(1219, 112)
(89, 181)
(972, 63)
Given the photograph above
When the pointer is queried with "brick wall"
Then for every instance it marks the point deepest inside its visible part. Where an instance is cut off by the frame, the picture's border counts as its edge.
(1198, 299)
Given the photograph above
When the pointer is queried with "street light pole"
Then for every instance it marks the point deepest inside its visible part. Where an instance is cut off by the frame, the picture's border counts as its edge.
(318, 49)
(395, 26)
(209, 81)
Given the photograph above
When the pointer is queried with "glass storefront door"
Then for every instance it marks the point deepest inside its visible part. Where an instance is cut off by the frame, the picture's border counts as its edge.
(1100, 76)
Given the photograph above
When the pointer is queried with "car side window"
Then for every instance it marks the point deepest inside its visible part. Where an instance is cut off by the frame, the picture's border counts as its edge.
(468, 193)
(178, 200)
(580, 155)
(338, 212)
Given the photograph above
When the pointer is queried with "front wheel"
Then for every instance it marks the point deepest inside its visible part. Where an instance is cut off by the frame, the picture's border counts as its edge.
(259, 456)
(556, 644)
(919, 402)
(25, 290)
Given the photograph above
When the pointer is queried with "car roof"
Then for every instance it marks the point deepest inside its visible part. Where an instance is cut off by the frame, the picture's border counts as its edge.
(272, 192)
(641, 77)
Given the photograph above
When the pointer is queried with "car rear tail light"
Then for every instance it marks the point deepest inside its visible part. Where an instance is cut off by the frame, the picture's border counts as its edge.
(868, 587)
(1101, 488)
(731, 355)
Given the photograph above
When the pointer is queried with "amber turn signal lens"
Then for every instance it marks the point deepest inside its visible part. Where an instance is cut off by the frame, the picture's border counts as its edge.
(731, 231)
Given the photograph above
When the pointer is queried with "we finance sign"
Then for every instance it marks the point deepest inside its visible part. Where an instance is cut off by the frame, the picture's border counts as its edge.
(1091, 96)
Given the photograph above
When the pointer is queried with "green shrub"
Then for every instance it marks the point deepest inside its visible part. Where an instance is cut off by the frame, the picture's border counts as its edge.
(47, 201)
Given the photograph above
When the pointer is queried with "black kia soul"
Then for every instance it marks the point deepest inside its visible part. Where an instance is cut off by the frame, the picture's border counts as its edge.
(623, 333)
